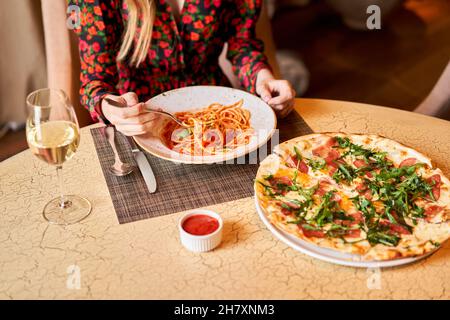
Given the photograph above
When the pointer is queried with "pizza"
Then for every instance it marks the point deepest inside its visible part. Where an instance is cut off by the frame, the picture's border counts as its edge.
(360, 194)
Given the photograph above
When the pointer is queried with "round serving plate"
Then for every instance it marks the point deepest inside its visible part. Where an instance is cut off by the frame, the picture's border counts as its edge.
(262, 120)
(330, 255)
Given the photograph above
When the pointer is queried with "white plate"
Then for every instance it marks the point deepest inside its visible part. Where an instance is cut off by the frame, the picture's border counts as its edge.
(330, 255)
(262, 120)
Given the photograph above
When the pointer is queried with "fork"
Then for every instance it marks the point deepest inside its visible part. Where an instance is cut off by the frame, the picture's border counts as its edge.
(119, 168)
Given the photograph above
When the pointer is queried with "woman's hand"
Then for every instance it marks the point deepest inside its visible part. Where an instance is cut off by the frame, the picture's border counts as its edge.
(132, 120)
(279, 94)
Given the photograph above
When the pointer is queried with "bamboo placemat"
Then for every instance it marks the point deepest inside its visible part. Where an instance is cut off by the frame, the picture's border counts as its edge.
(180, 186)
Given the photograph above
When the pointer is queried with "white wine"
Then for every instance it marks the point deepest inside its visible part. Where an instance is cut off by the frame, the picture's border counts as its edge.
(53, 142)
(56, 142)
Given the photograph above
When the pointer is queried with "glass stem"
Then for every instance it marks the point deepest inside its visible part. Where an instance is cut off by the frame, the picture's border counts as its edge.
(63, 203)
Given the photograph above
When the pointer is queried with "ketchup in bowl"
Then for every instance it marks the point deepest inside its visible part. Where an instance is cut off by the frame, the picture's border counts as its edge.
(200, 224)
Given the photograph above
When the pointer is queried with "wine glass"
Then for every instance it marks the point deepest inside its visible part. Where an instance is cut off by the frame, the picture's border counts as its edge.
(53, 136)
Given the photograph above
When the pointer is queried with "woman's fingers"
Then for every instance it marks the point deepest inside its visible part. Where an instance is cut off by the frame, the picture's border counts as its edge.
(141, 118)
(131, 112)
(135, 129)
(131, 98)
(130, 133)
(282, 110)
(119, 99)
(264, 92)
(131, 120)
(133, 108)
(281, 95)
(283, 113)
(284, 92)
(123, 113)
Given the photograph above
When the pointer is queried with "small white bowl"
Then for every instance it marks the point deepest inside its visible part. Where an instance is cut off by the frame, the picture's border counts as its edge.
(200, 243)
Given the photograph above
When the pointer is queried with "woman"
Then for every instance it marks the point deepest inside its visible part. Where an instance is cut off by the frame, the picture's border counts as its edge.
(132, 50)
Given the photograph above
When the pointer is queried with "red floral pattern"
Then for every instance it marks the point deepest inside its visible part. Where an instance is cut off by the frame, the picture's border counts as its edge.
(181, 54)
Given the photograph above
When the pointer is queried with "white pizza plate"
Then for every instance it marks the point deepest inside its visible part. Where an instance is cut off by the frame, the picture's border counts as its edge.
(330, 255)
(262, 120)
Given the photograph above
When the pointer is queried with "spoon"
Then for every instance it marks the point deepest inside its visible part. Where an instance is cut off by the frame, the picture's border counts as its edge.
(119, 168)
(165, 113)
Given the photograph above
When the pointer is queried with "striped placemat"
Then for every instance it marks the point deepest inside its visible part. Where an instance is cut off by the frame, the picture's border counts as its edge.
(180, 186)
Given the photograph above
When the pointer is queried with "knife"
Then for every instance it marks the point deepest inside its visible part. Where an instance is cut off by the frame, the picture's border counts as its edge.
(144, 165)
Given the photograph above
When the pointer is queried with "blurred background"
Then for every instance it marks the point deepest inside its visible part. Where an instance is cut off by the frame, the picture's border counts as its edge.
(322, 46)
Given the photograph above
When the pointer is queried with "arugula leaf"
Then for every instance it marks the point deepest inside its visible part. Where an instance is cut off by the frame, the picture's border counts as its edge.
(389, 215)
(310, 227)
(398, 188)
(307, 193)
(337, 230)
(344, 172)
(267, 189)
(417, 211)
(374, 158)
(294, 178)
(327, 209)
(367, 208)
(183, 134)
(316, 164)
(435, 243)
(343, 142)
(375, 237)
(416, 186)
(298, 154)
(394, 174)
(380, 160)
(347, 171)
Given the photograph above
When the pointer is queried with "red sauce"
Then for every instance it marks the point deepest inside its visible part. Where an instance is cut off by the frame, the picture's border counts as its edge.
(166, 135)
(200, 224)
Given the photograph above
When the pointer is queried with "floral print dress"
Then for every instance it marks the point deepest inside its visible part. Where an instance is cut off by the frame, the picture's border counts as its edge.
(181, 54)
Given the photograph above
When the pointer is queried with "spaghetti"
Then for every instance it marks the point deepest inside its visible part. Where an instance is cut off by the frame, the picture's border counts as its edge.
(214, 130)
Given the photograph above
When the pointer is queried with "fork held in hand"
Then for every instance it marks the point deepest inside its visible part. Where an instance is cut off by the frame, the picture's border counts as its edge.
(147, 108)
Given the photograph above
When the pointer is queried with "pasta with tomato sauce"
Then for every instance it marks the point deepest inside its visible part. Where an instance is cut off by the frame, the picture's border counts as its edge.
(214, 130)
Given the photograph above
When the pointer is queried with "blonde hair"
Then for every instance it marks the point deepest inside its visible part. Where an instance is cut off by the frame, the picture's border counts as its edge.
(138, 31)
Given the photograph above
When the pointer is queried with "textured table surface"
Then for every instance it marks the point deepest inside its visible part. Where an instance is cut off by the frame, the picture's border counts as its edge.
(146, 260)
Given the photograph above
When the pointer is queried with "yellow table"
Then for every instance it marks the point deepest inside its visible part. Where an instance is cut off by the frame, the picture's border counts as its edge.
(146, 260)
